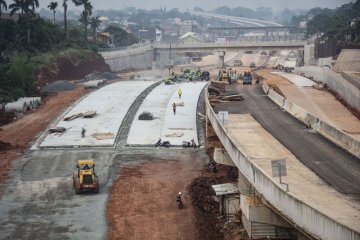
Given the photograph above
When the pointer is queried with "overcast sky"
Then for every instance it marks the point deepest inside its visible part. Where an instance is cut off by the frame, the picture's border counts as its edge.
(207, 4)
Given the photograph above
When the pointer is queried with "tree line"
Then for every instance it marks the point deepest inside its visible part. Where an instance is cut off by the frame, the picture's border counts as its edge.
(28, 41)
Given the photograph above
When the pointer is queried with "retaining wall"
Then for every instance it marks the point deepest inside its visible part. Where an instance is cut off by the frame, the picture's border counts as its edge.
(303, 215)
(335, 135)
(349, 92)
(137, 58)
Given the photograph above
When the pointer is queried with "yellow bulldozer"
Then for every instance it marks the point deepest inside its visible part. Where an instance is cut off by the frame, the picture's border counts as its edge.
(85, 179)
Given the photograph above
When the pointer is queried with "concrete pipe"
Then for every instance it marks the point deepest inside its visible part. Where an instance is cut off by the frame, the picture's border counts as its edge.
(18, 106)
(93, 84)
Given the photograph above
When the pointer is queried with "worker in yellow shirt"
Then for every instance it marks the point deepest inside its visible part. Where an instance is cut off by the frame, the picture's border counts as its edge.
(179, 92)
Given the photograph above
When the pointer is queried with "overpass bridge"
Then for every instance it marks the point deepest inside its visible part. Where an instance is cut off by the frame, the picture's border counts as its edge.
(257, 44)
(145, 56)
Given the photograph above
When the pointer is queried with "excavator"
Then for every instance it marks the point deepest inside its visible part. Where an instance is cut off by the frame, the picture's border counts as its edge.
(85, 179)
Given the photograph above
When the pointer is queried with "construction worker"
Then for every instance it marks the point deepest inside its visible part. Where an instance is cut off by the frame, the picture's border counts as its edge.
(83, 132)
(179, 92)
(174, 107)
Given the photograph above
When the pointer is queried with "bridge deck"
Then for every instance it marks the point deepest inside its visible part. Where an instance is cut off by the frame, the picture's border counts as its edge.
(261, 147)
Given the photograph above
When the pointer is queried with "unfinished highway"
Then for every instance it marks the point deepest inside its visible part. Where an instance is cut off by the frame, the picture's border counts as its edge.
(336, 167)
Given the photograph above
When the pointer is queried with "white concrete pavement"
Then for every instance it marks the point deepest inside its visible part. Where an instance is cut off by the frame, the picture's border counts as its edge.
(296, 79)
(145, 132)
(167, 125)
(111, 104)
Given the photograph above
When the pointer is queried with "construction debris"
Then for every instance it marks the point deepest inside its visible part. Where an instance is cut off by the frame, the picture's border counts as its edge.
(89, 114)
(146, 116)
(103, 136)
(226, 99)
(176, 134)
(57, 130)
(72, 117)
(219, 85)
(236, 97)
(213, 91)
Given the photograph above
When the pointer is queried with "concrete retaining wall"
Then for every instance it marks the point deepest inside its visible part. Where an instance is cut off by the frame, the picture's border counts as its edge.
(138, 58)
(349, 92)
(335, 135)
(303, 215)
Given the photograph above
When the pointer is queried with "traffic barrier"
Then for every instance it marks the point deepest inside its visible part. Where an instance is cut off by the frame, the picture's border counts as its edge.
(330, 132)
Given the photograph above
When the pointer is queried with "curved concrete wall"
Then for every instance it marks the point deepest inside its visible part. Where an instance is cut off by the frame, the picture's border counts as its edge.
(335, 135)
(349, 92)
(297, 211)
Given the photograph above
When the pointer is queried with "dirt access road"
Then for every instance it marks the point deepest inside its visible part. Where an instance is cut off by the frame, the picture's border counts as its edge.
(142, 201)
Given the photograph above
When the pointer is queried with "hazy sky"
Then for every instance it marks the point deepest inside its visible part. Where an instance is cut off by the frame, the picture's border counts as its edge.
(207, 4)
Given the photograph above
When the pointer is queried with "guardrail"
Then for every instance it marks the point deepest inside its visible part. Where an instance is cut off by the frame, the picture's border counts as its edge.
(303, 215)
(330, 132)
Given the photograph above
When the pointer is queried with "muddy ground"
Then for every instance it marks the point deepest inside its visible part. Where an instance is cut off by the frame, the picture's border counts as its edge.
(142, 203)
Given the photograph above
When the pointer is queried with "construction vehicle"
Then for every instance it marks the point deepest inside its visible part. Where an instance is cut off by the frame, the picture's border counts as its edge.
(85, 179)
(247, 78)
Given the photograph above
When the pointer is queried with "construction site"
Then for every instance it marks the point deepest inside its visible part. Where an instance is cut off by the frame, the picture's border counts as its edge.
(245, 141)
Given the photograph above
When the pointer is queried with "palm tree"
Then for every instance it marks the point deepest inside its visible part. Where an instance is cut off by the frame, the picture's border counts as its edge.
(52, 6)
(65, 17)
(94, 25)
(27, 7)
(2, 3)
(85, 15)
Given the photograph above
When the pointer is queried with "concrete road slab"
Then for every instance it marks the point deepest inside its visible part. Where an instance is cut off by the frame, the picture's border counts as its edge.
(261, 147)
(111, 104)
(183, 123)
(147, 132)
(296, 79)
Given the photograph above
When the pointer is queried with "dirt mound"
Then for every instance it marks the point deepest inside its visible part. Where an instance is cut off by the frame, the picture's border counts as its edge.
(58, 86)
(208, 220)
(5, 146)
(70, 68)
(6, 118)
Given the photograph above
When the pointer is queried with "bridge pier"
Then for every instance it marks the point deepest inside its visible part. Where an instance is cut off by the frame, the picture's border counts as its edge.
(221, 55)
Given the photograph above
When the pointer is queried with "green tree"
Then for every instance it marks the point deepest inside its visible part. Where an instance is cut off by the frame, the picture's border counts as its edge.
(52, 6)
(21, 74)
(121, 37)
(85, 15)
(65, 16)
(27, 7)
(2, 4)
(94, 26)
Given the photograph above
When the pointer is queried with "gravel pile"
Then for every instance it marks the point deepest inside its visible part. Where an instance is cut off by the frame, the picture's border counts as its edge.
(146, 116)
(101, 75)
(58, 86)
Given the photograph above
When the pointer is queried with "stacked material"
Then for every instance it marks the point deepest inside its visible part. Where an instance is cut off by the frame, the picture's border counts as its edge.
(219, 85)
(23, 104)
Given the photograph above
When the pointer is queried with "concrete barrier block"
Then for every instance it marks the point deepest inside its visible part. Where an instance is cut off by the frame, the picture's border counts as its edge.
(340, 138)
(279, 100)
(265, 88)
